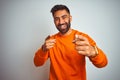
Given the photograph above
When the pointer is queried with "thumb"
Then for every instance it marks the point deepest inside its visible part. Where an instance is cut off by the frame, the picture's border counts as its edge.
(47, 37)
(79, 37)
(76, 36)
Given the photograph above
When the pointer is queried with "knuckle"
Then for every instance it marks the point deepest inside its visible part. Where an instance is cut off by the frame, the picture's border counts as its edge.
(87, 47)
(87, 52)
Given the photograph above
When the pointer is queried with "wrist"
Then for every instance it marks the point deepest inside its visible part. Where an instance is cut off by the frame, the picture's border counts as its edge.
(95, 52)
(44, 48)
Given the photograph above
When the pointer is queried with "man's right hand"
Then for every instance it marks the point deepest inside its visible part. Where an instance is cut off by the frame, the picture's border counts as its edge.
(49, 43)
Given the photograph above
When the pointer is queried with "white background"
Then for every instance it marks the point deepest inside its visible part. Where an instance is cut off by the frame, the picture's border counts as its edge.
(25, 23)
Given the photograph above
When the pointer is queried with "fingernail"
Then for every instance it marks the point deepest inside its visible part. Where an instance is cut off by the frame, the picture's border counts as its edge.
(76, 36)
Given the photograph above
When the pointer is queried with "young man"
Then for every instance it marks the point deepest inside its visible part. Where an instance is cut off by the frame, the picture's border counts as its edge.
(67, 49)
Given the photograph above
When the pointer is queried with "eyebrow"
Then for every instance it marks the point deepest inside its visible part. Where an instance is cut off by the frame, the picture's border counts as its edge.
(61, 16)
(64, 16)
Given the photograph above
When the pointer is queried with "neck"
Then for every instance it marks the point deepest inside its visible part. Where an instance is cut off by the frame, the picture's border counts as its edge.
(67, 33)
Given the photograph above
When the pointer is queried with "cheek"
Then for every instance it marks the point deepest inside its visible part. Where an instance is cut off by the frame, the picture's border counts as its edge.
(56, 23)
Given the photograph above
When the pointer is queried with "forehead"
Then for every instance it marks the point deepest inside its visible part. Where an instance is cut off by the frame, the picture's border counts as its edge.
(60, 13)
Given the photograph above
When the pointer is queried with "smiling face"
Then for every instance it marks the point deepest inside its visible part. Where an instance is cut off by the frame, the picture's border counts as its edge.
(62, 20)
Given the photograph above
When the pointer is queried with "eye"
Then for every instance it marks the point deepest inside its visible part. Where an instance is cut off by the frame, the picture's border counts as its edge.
(56, 19)
(64, 17)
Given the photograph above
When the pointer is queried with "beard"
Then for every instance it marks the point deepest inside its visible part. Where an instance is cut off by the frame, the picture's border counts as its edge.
(63, 28)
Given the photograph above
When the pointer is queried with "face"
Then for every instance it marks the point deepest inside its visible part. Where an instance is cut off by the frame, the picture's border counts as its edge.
(62, 20)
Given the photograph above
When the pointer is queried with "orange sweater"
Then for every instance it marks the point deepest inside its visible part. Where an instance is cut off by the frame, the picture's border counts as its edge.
(66, 63)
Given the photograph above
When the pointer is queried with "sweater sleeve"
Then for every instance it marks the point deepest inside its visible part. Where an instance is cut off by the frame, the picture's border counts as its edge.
(100, 60)
(40, 57)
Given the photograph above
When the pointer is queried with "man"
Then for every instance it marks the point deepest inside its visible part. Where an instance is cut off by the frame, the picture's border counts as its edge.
(67, 49)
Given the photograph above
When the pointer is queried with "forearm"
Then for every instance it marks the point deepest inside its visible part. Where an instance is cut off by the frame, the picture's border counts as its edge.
(100, 60)
(40, 57)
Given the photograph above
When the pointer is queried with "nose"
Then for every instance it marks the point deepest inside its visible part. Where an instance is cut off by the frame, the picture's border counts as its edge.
(61, 21)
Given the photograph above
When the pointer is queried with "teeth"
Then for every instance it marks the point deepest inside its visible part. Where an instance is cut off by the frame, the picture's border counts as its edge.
(63, 26)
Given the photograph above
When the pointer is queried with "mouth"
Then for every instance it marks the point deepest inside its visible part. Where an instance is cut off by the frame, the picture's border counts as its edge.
(63, 26)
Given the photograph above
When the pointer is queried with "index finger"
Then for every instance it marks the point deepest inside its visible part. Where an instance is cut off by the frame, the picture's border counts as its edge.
(51, 41)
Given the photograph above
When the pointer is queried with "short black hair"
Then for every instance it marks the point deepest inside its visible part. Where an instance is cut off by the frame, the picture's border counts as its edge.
(59, 7)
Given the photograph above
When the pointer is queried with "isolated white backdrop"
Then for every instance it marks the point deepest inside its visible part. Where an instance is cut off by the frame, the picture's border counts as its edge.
(25, 23)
